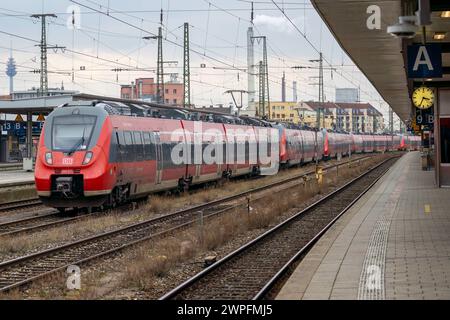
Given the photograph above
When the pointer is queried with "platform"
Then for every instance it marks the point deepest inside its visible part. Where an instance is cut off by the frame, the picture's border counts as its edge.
(15, 177)
(394, 243)
(10, 165)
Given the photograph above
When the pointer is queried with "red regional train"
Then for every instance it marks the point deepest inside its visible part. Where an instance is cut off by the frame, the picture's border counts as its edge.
(299, 145)
(107, 152)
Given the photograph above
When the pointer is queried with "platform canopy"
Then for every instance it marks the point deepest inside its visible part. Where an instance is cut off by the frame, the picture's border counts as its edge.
(47, 104)
(380, 56)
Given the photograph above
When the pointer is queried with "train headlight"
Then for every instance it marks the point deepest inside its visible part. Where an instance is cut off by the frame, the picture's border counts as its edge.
(48, 158)
(87, 157)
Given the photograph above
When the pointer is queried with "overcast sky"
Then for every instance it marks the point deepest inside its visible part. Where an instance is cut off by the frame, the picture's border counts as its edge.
(217, 35)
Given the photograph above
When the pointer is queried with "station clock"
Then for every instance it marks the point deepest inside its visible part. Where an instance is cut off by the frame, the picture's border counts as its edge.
(423, 97)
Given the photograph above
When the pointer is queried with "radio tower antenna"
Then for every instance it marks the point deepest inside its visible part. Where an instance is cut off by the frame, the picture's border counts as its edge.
(43, 45)
(11, 71)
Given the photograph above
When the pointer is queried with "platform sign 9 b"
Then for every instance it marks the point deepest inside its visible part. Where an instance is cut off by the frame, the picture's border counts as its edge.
(424, 117)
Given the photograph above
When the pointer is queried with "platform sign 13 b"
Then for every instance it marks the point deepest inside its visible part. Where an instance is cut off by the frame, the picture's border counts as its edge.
(424, 117)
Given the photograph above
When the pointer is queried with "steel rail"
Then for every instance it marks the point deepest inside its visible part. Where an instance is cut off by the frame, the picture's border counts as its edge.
(246, 248)
(13, 228)
(128, 230)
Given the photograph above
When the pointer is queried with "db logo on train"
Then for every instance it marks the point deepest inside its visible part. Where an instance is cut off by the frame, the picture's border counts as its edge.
(67, 161)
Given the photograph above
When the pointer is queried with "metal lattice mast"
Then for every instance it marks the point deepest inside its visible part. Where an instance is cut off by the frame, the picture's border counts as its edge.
(160, 69)
(391, 121)
(320, 108)
(321, 100)
(186, 70)
(250, 66)
(263, 82)
(266, 77)
(321, 89)
(44, 47)
(262, 95)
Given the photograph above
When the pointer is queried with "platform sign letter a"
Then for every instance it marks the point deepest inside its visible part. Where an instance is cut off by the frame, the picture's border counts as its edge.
(424, 61)
(423, 58)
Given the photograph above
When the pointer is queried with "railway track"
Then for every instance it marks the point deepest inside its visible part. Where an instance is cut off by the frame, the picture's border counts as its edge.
(18, 205)
(53, 219)
(36, 223)
(23, 270)
(255, 270)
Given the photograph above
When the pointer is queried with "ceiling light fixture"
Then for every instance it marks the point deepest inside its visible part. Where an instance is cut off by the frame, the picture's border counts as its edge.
(445, 14)
(439, 35)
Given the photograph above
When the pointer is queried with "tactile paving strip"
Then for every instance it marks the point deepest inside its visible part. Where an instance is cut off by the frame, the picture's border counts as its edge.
(371, 283)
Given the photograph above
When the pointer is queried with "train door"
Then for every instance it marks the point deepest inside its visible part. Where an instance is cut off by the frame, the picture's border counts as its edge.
(118, 142)
(159, 158)
(198, 168)
(196, 144)
(233, 147)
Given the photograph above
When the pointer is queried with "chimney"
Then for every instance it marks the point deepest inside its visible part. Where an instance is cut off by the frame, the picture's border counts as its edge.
(294, 91)
(283, 88)
(140, 89)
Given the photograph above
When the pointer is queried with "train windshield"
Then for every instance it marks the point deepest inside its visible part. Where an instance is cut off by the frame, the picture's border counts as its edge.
(72, 132)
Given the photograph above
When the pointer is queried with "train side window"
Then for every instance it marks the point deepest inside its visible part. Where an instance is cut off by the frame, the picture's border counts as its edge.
(138, 145)
(247, 151)
(149, 146)
(146, 141)
(129, 154)
(120, 140)
(114, 152)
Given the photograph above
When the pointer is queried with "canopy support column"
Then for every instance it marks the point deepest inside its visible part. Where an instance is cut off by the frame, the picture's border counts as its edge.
(28, 161)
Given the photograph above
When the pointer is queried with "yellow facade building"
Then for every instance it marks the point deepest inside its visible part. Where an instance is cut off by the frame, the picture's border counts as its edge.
(284, 111)
(351, 117)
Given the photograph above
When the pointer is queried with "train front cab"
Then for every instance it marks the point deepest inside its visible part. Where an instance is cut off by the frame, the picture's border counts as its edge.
(72, 163)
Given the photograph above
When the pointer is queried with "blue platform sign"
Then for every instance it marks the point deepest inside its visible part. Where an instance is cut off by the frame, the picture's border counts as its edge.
(425, 61)
(20, 128)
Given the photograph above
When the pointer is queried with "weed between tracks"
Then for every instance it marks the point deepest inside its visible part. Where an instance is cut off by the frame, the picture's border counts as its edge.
(153, 265)
(150, 269)
(11, 247)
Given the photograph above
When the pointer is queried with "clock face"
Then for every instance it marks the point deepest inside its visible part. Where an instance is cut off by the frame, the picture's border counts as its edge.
(423, 97)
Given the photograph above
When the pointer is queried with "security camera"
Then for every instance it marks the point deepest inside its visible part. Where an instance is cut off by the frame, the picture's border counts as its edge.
(405, 28)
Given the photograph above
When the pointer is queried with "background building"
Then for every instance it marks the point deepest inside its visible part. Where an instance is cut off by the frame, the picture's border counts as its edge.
(285, 111)
(34, 93)
(351, 117)
(216, 108)
(350, 95)
(145, 89)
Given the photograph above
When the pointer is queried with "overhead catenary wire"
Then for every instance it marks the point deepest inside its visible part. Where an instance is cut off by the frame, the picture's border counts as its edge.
(193, 43)
(69, 50)
(153, 34)
(311, 44)
(129, 66)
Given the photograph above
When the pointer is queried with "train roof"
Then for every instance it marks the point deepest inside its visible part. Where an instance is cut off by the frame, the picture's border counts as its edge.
(116, 106)
(146, 109)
